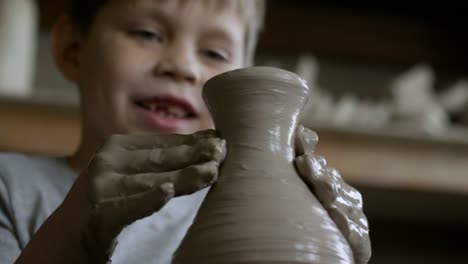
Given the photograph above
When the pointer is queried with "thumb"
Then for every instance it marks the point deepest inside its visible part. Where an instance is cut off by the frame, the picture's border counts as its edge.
(305, 140)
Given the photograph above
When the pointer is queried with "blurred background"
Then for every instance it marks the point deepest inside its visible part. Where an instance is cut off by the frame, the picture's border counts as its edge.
(389, 102)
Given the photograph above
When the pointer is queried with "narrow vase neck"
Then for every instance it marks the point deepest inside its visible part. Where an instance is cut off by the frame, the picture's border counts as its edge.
(257, 108)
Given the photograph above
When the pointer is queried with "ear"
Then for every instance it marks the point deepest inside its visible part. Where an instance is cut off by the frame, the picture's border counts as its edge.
(66, 47)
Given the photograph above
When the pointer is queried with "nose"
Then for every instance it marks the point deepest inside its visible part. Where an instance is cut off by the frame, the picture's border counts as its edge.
(180, 63)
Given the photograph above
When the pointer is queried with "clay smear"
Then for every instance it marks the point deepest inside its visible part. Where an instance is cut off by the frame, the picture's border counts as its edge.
(260, 211)
(343, 202)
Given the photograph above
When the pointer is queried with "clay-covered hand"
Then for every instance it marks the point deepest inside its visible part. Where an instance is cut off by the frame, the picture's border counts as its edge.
(133, 176)
(342, 202)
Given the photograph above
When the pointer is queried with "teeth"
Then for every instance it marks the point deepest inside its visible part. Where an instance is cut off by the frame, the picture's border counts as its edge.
(162, 114)
(176, 112)
(165, 111)
(152, 107)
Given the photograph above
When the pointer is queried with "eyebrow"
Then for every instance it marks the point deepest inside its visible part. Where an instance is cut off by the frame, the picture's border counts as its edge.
(151, 11)
(221, 33)
(159, 15)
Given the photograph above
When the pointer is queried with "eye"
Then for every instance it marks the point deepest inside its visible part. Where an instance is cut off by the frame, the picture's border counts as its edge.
(147, 35)
(216, 55)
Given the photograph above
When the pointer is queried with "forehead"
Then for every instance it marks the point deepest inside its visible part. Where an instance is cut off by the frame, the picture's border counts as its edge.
(208, 5)
(238, 8)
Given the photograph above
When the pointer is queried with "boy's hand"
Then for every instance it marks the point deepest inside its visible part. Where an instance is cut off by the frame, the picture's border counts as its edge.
(342, 202)
(133, 176)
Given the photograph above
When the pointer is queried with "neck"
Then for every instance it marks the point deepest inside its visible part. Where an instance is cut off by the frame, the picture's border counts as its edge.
(80, 159)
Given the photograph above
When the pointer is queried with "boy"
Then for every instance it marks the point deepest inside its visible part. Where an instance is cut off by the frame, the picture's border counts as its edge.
(140, 66)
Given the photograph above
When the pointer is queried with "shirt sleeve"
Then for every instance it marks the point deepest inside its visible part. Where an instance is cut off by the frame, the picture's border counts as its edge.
(9, 243)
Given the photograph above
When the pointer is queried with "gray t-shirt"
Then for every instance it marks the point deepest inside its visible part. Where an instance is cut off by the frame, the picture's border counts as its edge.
(32, 187)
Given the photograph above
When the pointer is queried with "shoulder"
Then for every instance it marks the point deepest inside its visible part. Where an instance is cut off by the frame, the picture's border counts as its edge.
(21, 170)
(11, 160)
(12, 165)
(31, 188)
(33, 185)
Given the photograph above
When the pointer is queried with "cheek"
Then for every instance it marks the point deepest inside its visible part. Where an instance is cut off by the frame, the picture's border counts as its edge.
(116, 68)
(206, 122)
(124, 64)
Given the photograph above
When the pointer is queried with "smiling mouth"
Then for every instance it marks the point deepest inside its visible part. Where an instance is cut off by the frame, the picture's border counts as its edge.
(168, 107)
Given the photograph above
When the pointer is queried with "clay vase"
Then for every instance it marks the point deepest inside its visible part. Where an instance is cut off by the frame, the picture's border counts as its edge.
(260, 210)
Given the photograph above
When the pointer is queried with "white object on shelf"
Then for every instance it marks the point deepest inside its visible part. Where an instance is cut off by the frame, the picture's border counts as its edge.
(382, 114)
(455, 98)
(412, 90)
(345, 111)
(18, 41)
(415, 102)
(435, 120)
(365, 114)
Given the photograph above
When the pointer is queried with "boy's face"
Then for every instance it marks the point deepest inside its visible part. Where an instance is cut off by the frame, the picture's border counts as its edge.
(143, 63)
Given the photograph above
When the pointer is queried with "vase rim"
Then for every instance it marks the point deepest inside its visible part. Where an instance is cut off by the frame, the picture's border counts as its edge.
(265, 73)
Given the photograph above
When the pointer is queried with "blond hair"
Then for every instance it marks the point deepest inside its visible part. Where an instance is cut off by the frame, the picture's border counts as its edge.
(253, 14)
(254, 27)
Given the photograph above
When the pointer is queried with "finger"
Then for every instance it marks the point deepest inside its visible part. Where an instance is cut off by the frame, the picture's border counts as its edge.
(305, 140)
(169, 159)
(310, 167)
(342, 202)
(355, 232)
(352, 197)
(145, 194)
(185, 181)
(149, 141)
(110, 216)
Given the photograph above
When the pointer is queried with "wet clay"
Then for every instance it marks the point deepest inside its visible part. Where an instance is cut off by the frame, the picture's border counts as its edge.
(260, 211)
(343, 202)
(133, 176)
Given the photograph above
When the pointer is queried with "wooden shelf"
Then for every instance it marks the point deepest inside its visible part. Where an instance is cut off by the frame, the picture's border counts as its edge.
(405, 161)
(38, 128)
